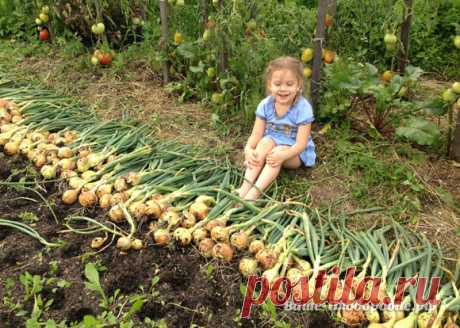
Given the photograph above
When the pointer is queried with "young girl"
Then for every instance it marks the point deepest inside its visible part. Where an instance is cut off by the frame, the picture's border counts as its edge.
(281, 133)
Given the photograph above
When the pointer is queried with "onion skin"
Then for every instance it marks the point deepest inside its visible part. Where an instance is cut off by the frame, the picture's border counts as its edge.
(240, 240)
(222, 251)
(153, 209)
(219, 234)
(97, 242)
(266, 258)
(120, 184)
(133, 178)
(116, 214)
(206, 247)
(104, 190)
(199, 210)
(171, 217)
(188, 221)
(137, 244)
(182, 236)
(70, 196)
(137, 209)
(199, 234)
(87, 199)
(124, 243)
(119, 198)
(161, 237)
(248, 266)
(65, 152)
(255, 246)
(105, 201)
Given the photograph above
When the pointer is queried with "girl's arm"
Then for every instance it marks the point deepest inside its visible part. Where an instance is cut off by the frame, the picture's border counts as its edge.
(301, 141)
(256, 135)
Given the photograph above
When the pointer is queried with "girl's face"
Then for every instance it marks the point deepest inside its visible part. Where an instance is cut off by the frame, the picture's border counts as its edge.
(283, 86)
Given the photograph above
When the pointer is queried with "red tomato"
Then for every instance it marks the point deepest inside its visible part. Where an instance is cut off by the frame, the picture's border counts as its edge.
(44, 35)
(105, 59)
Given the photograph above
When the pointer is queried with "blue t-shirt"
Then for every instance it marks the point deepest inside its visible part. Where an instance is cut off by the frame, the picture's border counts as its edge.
(283, 130)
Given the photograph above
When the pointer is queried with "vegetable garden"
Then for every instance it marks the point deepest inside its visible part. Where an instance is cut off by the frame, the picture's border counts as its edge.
(108, 220)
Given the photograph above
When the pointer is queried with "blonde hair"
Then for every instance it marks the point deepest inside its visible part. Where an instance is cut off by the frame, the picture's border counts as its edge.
(285, 62)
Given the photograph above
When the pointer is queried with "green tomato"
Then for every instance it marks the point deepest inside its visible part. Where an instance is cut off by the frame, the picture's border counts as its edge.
(448, 96)
(390, 38)
(180, 3)
(206, 35)
(217, 98)
(100, 28)
(211, 72)
(456, 87)
(94, 28)
(45, 9)
(172, 2)
(136, 21)
(38, 21)
(43, 17)
(457, 41)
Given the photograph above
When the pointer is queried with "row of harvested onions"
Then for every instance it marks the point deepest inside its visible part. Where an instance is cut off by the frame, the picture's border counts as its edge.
(177, 196)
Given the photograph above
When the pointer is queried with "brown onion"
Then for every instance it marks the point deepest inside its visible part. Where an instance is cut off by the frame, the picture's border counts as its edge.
(153, 209)
(83, 164)
(104, 189)
(97, 242)
(239, 240)
(124, 243)
(170, 216)
(67, 164)
(133, 178)
(219, 234)
(119, 197)
(120, 184)
(248, 266)
(188, 221)
(137, 244)
(199, 234)
(222, 251)
(116, 214)
(105, 201)
(255, 246)
(11, 148)
(137, 209)
(182, 236)
(87, 198)
(70, 196)
(219, 222)
(199, 210)
(266, 258)
(65, 152)
(206, 246)
(76, 182)
(352, 317)
(161, 237)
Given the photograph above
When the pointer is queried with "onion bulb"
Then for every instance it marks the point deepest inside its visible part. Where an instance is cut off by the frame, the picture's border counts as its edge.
(294, 275)
(83, 165)
(425, 319)
(206, 247)
(182, 236)
(161, 237)
(97, 242)
(153, 209)
(199, 210)
(171, 217)
(222, 251)
(105, 201)
(76, 182)
(248, 266)
(40, 160)
(11, 148)
(133, 178)
(48, 171)
(70, 196)
(137, 209)
(199, 234)
(124, 243)
(116, 214)
(67, 174)
(219, 234)
(255, 246)
(266, 258)
(352, 317)
(188, 221)
(94, 159)
(240, 240)
(120, 184)
(65, 152)
(104, 190)
(137, 244)
(87, 198)
(219, 222)
(118, 198)
(372, 315)
(67, 164)
(407, 322)
(88, 175)
(304, 266)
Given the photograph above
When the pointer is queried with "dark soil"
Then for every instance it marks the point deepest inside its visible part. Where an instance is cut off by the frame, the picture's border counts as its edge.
(186, 293)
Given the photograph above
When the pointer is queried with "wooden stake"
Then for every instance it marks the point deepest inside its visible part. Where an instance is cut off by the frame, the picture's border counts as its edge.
(318, 45)
(405, 31)
(164, 37)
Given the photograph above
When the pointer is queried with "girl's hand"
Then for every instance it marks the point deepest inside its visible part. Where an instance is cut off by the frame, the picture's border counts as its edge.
(250, 158)
(275, 158)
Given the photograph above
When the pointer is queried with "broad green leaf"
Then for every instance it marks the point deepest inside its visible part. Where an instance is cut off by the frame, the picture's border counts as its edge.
(420, 131)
